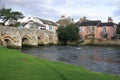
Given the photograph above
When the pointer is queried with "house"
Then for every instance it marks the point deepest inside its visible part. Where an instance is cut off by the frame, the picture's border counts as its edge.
(37, 23)
(34, 25)
(106, 30)
(50, 25)
(87, 27)
(10, 21)
(23, 20)
(65, 21)
(2, 19)
(96, 29)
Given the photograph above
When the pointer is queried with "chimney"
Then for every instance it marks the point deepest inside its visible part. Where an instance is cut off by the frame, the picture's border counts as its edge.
(81, 20)
(84, 19)
(63, 17)
(110, 19)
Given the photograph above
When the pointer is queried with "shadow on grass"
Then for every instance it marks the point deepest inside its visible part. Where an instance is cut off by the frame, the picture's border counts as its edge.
(60, 74)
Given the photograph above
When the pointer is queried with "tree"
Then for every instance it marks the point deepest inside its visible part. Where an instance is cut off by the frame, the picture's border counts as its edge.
(118, 28)
(8, 13)
(5, 12)
(69, 33)
(16, 15)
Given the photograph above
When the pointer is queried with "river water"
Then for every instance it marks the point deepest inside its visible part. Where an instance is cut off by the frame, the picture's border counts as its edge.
(96, 58)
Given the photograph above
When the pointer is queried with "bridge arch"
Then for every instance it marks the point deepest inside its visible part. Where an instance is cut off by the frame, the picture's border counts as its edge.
(8, 41)
(25, 40)
(40, 38)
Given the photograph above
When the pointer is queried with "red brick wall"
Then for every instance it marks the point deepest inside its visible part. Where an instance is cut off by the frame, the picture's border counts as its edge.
(86, 31)
(98, 32)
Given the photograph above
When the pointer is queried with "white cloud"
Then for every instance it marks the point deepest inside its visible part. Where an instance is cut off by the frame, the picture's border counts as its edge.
(53, 9)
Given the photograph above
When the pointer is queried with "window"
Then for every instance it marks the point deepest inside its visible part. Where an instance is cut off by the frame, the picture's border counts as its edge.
(104, 29)
(50, 28)
(80, 29)
(92, 28)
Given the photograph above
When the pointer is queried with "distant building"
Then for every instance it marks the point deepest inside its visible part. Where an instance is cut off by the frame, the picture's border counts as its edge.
(37, 23)
(50, 25)
(34, 25)
(97, 29)
(65, 21)
(2, 19)
(10, 21)
(106, 30)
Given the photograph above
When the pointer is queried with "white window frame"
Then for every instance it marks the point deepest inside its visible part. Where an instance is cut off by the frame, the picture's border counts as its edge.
(104, 29)
(80, 29)
(50, 28)
(91, 28)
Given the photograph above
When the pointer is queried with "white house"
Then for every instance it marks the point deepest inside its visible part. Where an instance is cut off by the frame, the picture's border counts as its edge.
(50, 25)
(34, 25)
(10, 22)
(37, 23)
(2, 19)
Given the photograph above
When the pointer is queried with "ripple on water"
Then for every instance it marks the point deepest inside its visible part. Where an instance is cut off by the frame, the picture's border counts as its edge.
(96, 58)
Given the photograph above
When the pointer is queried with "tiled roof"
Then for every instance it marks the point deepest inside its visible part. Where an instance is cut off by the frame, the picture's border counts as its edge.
(106, 24)
(48, 22)
(89, 23)
(35, 23)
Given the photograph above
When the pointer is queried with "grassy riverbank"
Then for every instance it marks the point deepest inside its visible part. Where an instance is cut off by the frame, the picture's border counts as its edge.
(17, 66)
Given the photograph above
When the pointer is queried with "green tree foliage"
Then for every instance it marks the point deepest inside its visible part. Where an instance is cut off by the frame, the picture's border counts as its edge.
(118, 28)
(16, 15)
(69, 33)
(5, 12)
(8, 13)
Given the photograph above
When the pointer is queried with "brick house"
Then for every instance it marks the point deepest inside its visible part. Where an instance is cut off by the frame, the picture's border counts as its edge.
(89, 29)
(106, 30)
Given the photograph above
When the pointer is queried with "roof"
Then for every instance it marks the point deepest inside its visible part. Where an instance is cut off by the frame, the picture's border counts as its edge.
(48, 22)
(106, 24)
(35, 23)
(89, 23)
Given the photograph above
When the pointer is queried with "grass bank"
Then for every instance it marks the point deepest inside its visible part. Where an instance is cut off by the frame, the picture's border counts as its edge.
(18, 66)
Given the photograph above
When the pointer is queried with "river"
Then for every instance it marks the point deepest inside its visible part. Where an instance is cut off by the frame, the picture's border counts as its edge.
(96, 58)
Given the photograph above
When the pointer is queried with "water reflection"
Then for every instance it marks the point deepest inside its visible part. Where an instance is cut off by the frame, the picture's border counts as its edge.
(96, 58)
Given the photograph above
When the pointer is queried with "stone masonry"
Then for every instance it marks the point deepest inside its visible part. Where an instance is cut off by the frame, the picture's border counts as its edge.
(12, 36)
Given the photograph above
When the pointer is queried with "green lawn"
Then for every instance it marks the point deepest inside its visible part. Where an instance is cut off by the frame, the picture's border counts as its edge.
(18, 66)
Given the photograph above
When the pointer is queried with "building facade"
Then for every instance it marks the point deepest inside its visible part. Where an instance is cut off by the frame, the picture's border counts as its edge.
(97, 29)
(37, 23)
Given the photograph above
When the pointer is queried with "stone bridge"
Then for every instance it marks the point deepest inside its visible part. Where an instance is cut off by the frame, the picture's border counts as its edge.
(17, 37)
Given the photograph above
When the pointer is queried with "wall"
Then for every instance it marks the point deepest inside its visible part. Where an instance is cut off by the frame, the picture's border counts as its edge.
(98, 33)
(85, 33)
(109, 29)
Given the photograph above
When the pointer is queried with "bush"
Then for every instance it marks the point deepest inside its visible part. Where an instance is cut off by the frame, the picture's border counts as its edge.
(118, 28)
(68, 33)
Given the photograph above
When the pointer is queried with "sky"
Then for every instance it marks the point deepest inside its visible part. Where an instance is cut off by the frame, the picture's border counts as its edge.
(54, 9)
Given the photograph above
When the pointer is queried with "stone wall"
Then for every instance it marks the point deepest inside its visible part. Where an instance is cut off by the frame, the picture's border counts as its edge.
(12, 36)
(101, 42)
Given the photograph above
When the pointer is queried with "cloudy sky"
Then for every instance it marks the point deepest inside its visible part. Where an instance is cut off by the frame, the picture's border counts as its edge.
(53, 9)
